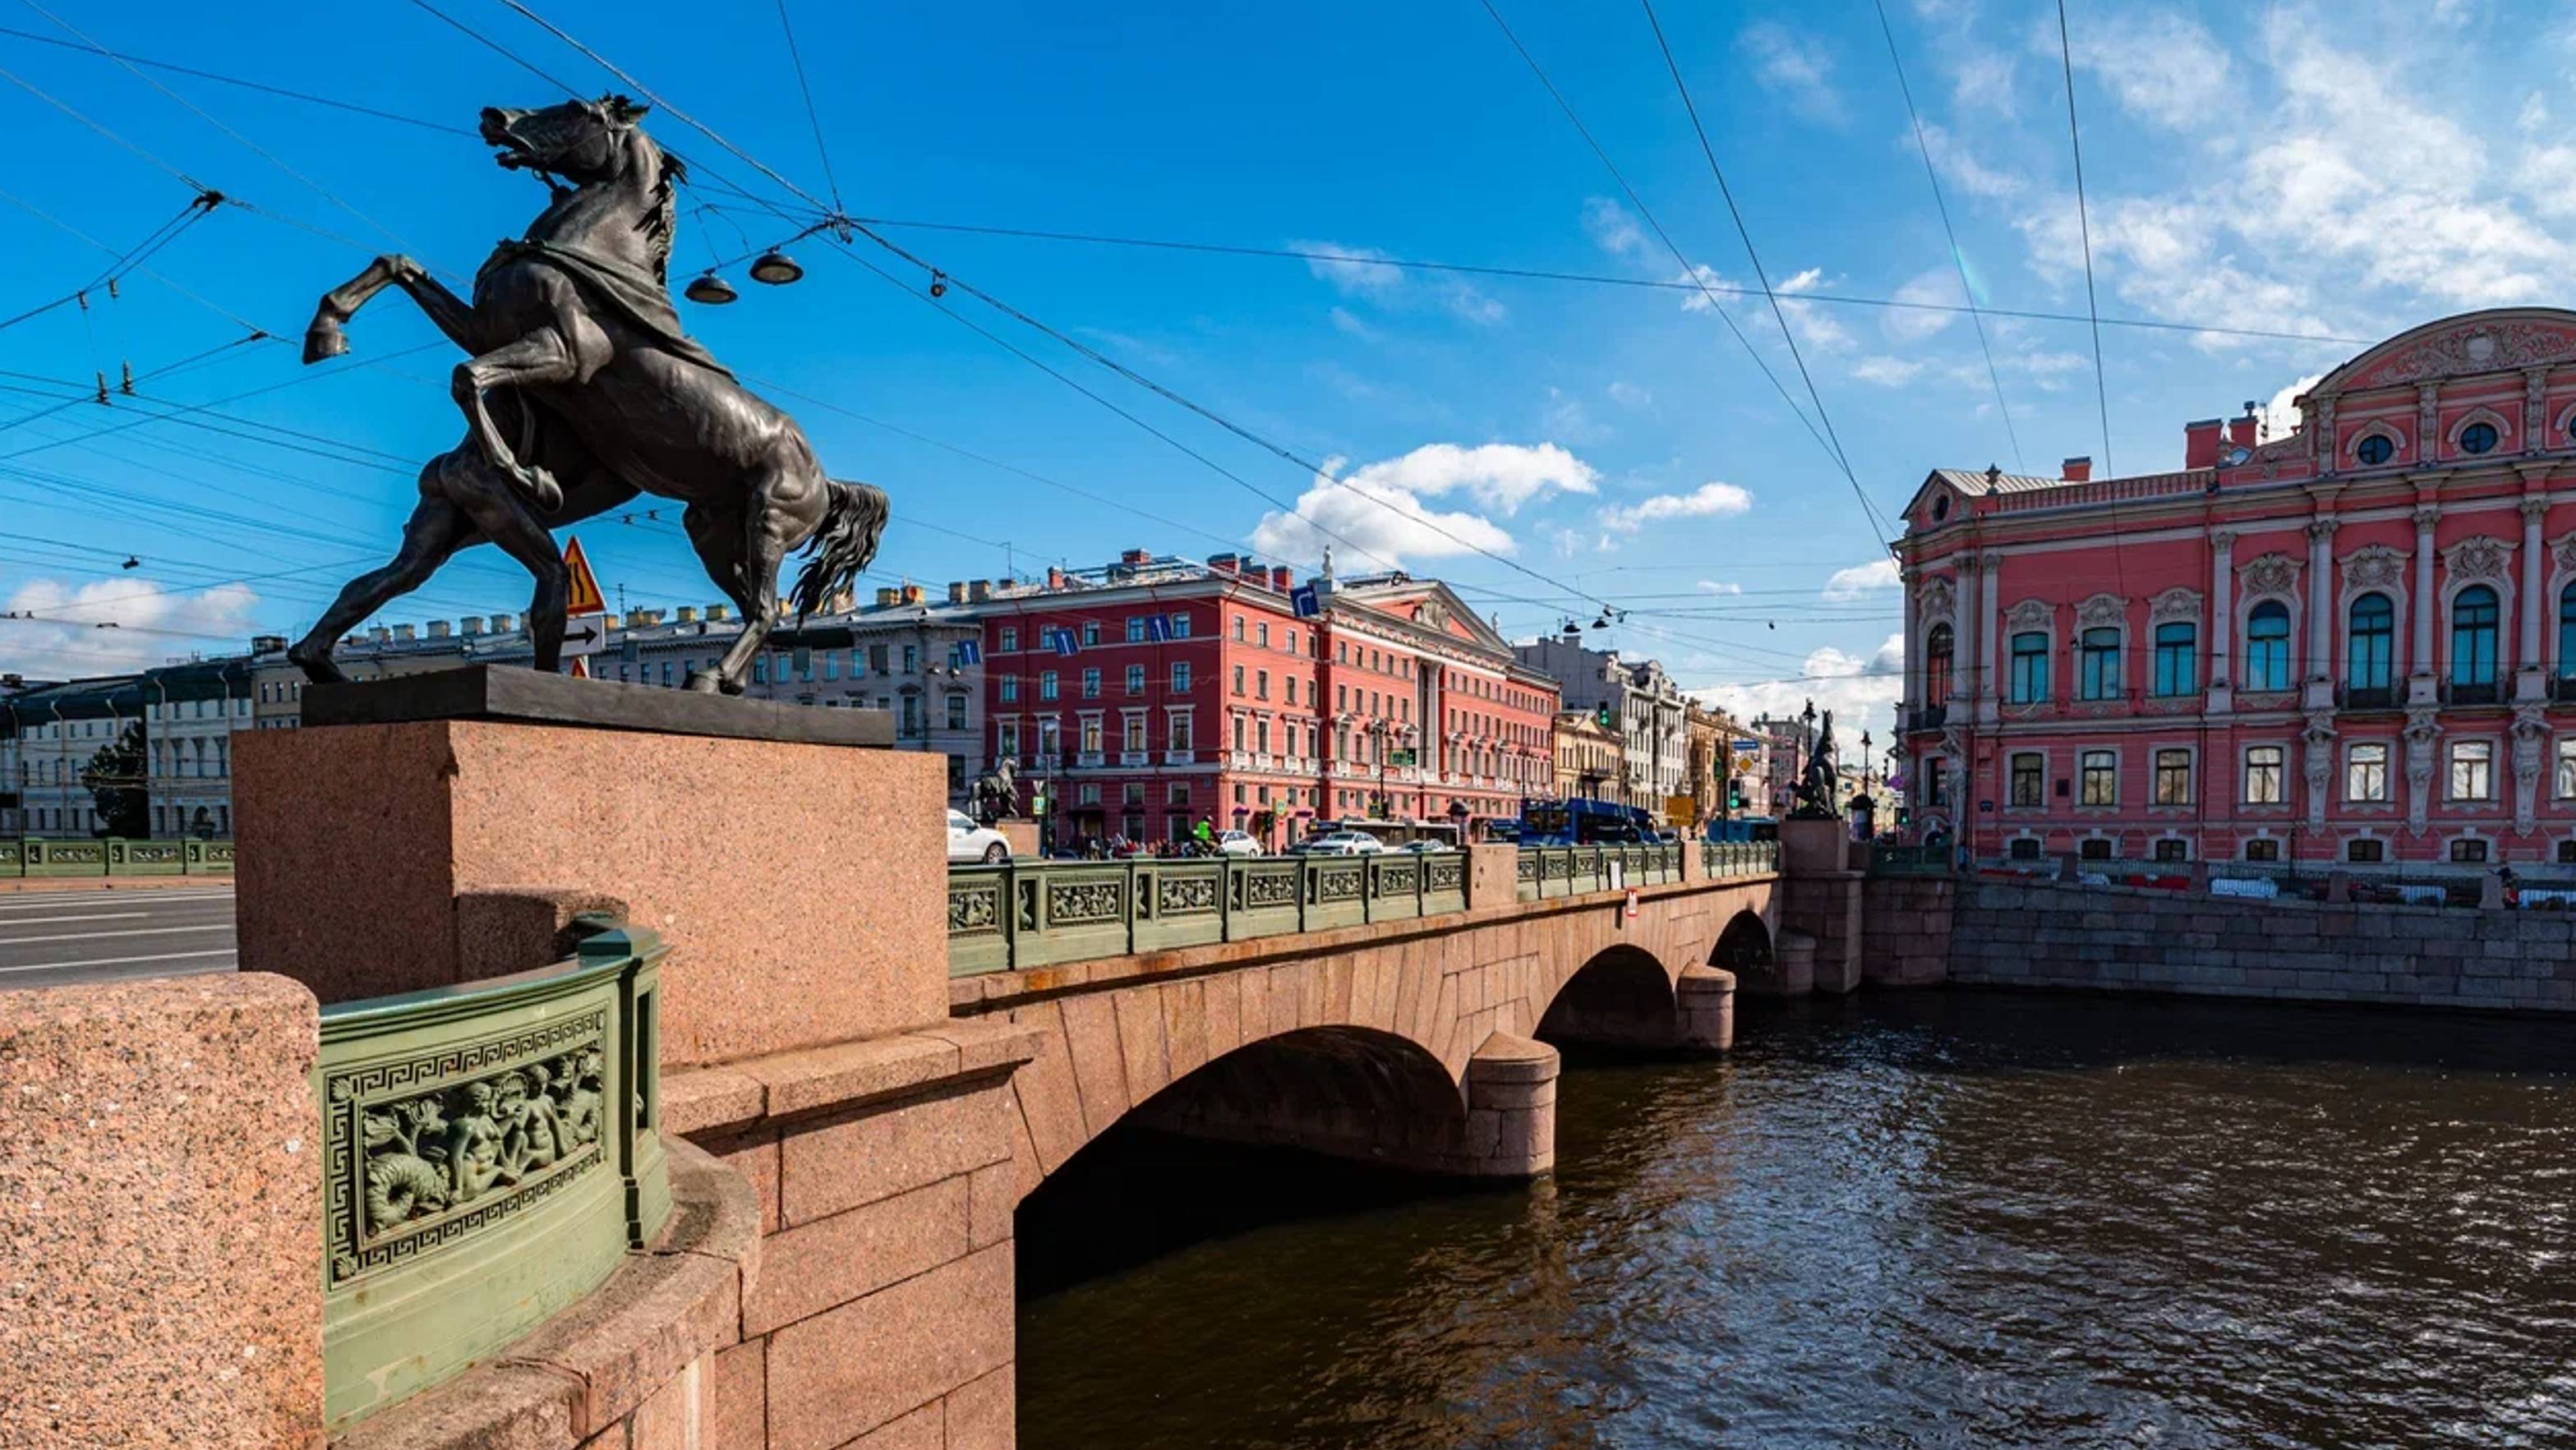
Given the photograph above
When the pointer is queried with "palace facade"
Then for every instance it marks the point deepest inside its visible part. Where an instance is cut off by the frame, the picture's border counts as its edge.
(2353, 643)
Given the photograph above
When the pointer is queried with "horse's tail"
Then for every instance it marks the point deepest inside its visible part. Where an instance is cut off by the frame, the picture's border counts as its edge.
(842, 547)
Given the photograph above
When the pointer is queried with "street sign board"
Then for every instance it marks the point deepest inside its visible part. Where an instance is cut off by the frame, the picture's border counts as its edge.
(586, 598)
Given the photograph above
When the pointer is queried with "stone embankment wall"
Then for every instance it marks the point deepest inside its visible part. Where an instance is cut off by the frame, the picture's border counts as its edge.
(1906, 923)
(2116, 938)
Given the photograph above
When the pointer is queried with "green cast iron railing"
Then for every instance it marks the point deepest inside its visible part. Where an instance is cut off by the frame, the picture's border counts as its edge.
(489, 1152)
(114, 856)
(1040, 913)
(1721, 860)
(1910, 860)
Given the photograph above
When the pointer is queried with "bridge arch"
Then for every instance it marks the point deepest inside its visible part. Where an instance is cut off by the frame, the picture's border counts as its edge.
(1622, 997)
(1745, 946)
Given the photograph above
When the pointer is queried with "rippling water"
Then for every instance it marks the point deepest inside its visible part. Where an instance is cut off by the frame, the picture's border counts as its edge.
(1948, 1219)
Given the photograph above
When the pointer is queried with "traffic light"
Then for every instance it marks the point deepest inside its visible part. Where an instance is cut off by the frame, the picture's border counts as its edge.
(1601, 715)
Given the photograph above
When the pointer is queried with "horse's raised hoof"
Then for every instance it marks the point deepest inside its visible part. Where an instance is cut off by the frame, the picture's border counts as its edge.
(317, 665)
(324, 339)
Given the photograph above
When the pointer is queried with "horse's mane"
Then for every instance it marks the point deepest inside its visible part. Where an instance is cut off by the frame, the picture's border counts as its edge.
(660, 222)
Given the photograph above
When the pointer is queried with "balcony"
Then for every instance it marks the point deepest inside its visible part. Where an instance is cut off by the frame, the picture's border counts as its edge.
(2461, 692)
(1929, 717)
(1089, 759)
(2563, 688)
(2369, 697)
(1135, 757)
(1180, 757)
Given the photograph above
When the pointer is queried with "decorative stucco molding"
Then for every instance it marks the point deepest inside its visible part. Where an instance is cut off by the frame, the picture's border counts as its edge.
(2274, 573)
(2379, 566)
(2481, 557)
(2471, 348)
(2175, 604)
(2031, 614)
(2102, 609)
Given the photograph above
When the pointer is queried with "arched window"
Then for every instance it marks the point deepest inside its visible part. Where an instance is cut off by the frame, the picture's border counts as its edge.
(1936, 665)
(2177, 648)
(2030, 668)
(2371, 653)
(2473, 637)
(2375, 450)
(2267, 646)
(2567, 632)
(2478, 438)
(2100, 652)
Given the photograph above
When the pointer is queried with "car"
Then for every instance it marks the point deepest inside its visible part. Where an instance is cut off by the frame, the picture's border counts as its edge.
(1339, 843)
(968, 841)
(1238, 843)
(1425, 847)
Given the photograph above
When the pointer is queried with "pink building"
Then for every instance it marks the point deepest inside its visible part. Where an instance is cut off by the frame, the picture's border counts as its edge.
(2351, 643)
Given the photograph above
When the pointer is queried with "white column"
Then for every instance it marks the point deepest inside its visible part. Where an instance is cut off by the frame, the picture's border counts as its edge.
(1913, 645)
(1989, 612)
(2527, 656)
(2321, 599)
(2222, 616)
(2420, 664)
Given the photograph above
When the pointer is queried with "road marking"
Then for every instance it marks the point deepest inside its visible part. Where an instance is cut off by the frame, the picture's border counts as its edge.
(175, 899)
(94, 916)
(103, 935)
(116, 961)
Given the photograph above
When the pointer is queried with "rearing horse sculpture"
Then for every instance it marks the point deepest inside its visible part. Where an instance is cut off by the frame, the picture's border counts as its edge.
(581, 390)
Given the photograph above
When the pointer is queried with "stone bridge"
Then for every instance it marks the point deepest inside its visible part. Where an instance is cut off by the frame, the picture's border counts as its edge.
(1420, 1043)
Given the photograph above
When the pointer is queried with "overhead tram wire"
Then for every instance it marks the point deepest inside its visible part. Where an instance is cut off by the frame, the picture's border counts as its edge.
(206, 75)
(1958, 258)
(1745, 234)
(2084, 225)
(797, 58)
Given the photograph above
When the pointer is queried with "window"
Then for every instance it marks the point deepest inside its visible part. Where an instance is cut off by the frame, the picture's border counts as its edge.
(1135, 629)
(2365, 774)
(2100, 772)
(2173, 777)
(956, 712)
(2472, 770)
(1177, 730)
(1091, 631)
(1010, 689)
(1136, 678)
(2365, 851)
(1007, 738)
(2096, 849)
(2473, 636)
(1261, 635)
(1046, 684)
(1261, 684)
(2171, 849)
(2262, 848)
(2100, 649)
(1180, 677)
(1091, 684)
(1238, 629)
(2027, 773)
(2371, 655)
(1180, 626)
(2565, 789)
(2022, 848)
(1238, 679)
(1134, 729)
(2029, 669)
(2263, 772)
(1090, 735)
(2375, 450)
(2567, 632)
(1009, 641)
(2478, 438)
(2176, 646)
(911, 662)
(2567, 853)
(1937, 650)
(2267, 646)
(2470, 850)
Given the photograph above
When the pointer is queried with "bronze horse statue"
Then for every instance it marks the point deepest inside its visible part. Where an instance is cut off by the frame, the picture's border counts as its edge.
(581, 390)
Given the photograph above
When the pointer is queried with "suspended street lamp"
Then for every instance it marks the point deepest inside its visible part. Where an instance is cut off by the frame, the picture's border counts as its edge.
(775, 268)
(710, 289)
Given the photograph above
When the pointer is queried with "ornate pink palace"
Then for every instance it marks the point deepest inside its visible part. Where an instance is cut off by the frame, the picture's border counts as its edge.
(2354, 643)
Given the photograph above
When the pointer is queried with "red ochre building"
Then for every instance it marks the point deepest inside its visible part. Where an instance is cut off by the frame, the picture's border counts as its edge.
(1141, 698)
(2355, 642)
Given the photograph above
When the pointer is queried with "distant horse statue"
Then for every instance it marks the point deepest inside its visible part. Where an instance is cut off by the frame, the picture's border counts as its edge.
(997, 794)
(581, 390)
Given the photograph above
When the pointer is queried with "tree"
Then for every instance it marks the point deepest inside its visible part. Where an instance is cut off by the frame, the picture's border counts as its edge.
(114, 778)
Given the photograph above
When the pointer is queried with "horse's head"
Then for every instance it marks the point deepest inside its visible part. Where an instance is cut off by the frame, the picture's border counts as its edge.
(580, 141)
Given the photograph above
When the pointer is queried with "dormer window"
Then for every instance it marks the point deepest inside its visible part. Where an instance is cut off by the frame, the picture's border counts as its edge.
(2375, 450)
(1940, 507)
(2478, 438)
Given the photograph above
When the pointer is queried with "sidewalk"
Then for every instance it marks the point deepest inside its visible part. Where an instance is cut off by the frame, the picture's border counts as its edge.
(13, 885)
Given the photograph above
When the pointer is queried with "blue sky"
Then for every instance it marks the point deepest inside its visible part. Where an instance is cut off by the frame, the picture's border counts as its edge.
(2334, 172)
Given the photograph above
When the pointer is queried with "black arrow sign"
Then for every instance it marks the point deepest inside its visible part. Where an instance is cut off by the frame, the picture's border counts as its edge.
(584, 636)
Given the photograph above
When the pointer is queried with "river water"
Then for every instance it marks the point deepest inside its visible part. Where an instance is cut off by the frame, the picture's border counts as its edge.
(1939, 1219)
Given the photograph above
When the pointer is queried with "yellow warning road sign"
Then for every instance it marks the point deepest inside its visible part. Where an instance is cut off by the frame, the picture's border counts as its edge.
(586, 598)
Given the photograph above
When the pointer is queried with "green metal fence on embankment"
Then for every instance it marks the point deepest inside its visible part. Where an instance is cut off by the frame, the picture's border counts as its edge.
(489, 1153)
(113, 856)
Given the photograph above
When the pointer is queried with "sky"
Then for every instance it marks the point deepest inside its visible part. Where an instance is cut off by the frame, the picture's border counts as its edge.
(1553, 447)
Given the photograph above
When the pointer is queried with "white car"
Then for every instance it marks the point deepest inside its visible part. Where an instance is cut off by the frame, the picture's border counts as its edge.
(1237, 843)
(1340, 843)
(968, 841)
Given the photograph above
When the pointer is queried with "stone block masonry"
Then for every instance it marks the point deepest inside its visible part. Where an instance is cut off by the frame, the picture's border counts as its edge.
(1906, 926)
(2133, 939)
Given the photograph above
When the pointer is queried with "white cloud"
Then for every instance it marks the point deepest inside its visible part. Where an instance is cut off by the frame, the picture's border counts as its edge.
(1887, 372)
(66, 638)
(1380, 507)
(1612, 229)
(1355, 271)
(2281, 415)
(1862, 692)
(1715, 586)
(1981, 79)
(1861, 580)
(1708, 501)
(1795, 67)
(1472, 305)
(2160, 65)
(1566, 417)
(1629, 395)
(1963, 171)
(1938, 287)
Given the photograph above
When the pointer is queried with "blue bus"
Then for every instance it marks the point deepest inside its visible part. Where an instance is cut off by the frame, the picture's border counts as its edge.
(1583, 823)
(1745, 828)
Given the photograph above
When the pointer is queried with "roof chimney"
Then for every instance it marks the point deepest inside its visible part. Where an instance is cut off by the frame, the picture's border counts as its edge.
(688, 614)
(1282, 578)
(501, 624)
(979, 590)
(956, 591)
(438, 629)
(1225, 563)
(1055, 577)
(2077, 470)
(886, 597)
(470, 625)
(2200, 443)
(402, 634)
(2240, 431)
(718, 614)
(912, 594)
(1135, 556)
